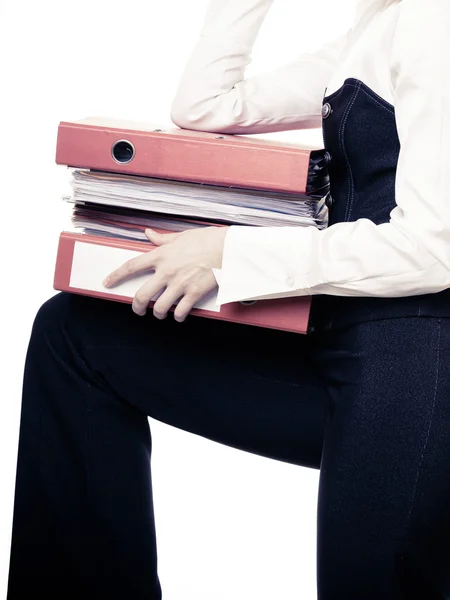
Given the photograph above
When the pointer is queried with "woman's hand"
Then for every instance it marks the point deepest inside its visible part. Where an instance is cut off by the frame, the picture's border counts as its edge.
(183, 264)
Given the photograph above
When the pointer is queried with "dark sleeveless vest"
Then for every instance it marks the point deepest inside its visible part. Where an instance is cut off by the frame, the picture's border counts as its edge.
(360, 135)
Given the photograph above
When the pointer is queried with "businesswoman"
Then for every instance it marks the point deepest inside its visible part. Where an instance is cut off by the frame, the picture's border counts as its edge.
(364, 396)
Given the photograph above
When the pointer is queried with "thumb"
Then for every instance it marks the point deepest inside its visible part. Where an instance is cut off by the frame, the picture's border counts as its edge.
(159, 238)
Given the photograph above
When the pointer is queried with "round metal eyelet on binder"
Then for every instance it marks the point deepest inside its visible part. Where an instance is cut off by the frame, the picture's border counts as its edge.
(326, 110)
(248, 302)
(123, 151)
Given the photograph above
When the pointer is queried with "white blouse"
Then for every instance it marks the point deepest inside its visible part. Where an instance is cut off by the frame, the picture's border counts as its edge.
(401, 50)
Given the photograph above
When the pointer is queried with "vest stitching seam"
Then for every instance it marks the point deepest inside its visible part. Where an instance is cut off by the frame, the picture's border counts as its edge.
(338, 91)
(392, 112)
(376, 96)
(352, 82)
(349, 204)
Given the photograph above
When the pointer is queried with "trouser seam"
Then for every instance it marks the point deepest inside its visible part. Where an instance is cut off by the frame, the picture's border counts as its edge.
(408, 518)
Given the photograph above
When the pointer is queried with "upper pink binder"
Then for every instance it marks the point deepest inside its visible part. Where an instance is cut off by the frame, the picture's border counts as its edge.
(180, 154)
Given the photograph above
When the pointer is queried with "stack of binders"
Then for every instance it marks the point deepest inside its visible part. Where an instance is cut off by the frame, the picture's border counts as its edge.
(128, 176)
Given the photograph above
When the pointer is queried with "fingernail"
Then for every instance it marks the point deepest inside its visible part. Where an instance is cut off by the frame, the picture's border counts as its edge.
(106, 282)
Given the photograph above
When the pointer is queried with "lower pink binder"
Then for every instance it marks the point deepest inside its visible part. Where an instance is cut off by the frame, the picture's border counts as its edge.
(78, 250)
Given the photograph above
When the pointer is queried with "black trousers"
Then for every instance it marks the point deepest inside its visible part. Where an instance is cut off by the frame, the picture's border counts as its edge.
(368, 404)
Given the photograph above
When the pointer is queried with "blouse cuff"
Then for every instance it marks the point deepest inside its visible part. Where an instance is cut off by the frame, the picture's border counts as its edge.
(262, 262)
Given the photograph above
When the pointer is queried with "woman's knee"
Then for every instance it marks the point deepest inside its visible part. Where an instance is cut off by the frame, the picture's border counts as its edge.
(65, 313)
(54, 312)
(87, 321)
(66, 324)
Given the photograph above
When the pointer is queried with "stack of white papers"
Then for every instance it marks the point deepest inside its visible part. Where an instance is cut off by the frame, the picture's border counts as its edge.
(123, 205)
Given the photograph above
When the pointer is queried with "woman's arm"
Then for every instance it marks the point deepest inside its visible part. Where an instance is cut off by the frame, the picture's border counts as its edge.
(409, 255)
(214, 95)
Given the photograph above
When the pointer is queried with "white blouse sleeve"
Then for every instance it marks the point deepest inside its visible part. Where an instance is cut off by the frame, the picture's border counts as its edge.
(410, 254)
(214, 95)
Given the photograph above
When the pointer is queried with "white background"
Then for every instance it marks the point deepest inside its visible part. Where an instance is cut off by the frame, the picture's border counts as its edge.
(230, 525)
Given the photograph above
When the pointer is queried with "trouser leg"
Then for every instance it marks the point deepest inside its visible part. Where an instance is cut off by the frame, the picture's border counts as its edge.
(384, 488)
(83, 517)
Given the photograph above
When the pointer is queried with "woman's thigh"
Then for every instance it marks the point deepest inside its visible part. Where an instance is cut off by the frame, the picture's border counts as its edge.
(384, 491)
(243, 386)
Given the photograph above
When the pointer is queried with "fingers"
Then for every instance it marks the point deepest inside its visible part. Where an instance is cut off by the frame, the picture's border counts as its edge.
(174, 279)
(166, 300)
(139, 264)
(146, 293)
(183, 308)
(190, 297)
(159, 239)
